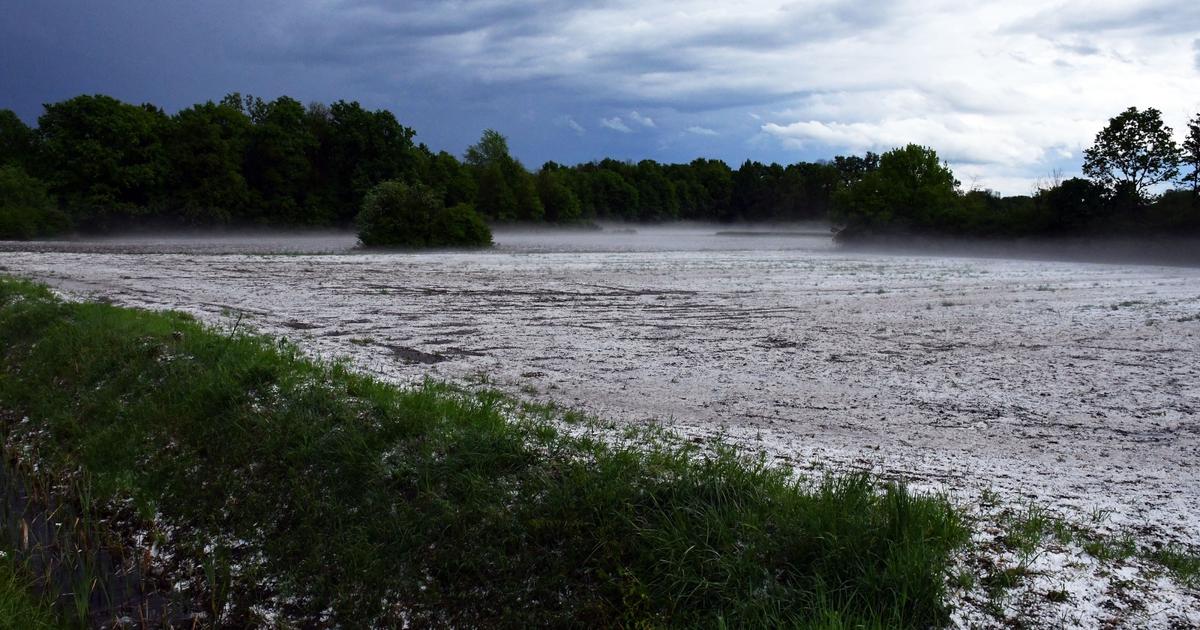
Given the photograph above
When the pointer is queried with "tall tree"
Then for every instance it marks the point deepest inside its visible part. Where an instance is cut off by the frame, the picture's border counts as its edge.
(507, 192)
(559, 202)
(1133, 153)
(205, 147)
(362, 148)
(105, 158)
(18, 143)
(911, 188)
(1191, 154)
(278, 162)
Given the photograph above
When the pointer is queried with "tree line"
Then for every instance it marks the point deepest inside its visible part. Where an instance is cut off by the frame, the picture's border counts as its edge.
(94, 163)
(1130, 162)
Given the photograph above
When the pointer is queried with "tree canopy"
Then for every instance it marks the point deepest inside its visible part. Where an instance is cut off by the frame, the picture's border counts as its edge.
(1191, 154)
(242, 160)
(395, 214)
(1133, 153)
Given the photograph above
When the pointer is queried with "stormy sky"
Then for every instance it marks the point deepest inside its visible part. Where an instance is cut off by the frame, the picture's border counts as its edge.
(1007, 92)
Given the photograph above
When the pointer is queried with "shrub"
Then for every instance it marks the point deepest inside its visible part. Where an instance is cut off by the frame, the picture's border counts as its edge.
(399, 214)
(26, 209)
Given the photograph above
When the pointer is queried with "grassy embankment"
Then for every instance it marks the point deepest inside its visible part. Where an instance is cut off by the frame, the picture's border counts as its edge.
(273, 485)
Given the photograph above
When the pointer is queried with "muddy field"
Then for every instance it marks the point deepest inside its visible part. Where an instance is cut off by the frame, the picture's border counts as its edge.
(1073, 385)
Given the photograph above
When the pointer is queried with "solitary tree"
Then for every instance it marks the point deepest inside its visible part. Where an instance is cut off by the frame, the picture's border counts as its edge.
(1191, 154)
(1133, 153)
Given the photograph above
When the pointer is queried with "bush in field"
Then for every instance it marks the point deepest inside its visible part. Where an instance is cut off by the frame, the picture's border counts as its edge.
(403, 215)
(26, 209)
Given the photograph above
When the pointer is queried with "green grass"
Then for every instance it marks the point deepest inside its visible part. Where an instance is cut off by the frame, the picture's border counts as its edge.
(1183, 563)
(18, 607)
(357, 503)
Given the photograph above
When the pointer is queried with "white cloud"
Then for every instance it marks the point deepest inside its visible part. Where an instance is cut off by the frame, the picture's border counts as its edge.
(570, 123)
(1007, 87)
(702, 131)
(616, 124)
(644, 121)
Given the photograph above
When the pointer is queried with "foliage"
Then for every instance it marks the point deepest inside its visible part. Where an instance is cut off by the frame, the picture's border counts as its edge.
(363, 148)
(19, 608)
(205, 145)
(1133, 153)
(26, 209)
(506, 191)
(279, 166)
(342, 501)
(244, 160)
(18, 143)
(910, 189)
(1191, 154)
(1072, 206)
(559, 202)
(107, 156)
(397, 214)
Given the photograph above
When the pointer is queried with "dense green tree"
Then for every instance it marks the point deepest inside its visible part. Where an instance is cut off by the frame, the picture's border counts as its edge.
(911, 189)
(281, 163)
(716, 178)
(506, 191)
(105, 158)
(1133, 153)
(560, 204)
(807, 189)
(1071, 206)
(757, 192)
(26, 209)
(529, 205)
(362, 148)
(278, 168)
(655, 193)
(413, 215)
(495, 199)
(613, 197)
(852, 168)
(492, 148)
(205, 148)
(18, 143)
(1191, 155)
(445, 173)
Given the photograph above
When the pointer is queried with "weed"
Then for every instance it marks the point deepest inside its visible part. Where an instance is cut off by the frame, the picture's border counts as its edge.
(1025, 530)
(1098, 516)
(18, 608)
(1110, 547)
(1183, 563)
(965, 580)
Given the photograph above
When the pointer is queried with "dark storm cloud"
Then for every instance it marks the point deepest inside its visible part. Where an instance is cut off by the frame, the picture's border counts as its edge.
(1008, 88)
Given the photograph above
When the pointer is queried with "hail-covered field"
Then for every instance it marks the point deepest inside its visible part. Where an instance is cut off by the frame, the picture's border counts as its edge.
(1014, 385)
